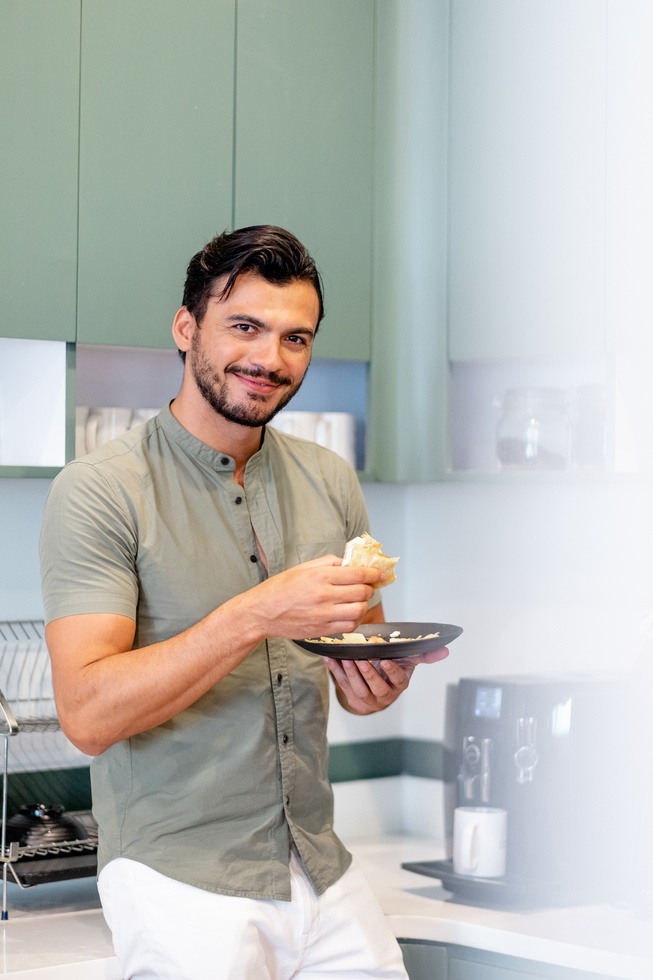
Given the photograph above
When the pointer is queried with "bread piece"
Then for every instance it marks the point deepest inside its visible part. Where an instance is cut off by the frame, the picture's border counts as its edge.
(365, 551)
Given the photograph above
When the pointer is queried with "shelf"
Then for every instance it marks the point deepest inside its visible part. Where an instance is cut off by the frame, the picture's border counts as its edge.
(27, 707)
(142, 378)
(29, 472)
(547, 477)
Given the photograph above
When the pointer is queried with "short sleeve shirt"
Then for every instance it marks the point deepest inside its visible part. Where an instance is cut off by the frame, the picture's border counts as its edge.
(154, 527)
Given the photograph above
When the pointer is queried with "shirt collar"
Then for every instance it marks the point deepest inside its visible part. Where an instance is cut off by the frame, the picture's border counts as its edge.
(217, 460)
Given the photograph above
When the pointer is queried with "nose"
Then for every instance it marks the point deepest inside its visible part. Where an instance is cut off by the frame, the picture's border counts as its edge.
(267, 354)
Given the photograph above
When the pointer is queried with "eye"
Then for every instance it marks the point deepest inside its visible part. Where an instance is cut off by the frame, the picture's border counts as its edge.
(297, 339)
(245, 327)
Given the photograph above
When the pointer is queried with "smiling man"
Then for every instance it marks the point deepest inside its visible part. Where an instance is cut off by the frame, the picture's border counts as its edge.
(179, 562)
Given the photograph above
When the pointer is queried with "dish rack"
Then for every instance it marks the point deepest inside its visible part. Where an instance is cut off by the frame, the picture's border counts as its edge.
(27, 706)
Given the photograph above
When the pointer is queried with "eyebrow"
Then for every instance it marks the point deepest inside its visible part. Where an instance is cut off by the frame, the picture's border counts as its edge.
(248, 318)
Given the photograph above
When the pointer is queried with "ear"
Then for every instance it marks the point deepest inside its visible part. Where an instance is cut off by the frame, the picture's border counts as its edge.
(183, 328)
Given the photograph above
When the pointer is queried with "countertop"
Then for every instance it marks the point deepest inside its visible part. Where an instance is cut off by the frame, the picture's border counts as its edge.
(57, 930)
(600, 939)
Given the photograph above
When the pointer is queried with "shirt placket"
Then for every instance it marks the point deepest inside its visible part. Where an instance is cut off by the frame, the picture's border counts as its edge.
(267, 531)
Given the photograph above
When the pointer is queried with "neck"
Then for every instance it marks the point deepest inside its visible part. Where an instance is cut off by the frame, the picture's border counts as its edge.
(197, 417)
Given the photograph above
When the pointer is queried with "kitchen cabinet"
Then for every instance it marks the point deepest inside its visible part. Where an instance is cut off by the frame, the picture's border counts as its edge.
(527, 179)
(280, 133)
(424, 960)
(155, 103)
(527, 199)
(502, 149)
(304, 144)
(156, 148)
(439, 961)
(550, 216)
(407, 417)
(39, 82)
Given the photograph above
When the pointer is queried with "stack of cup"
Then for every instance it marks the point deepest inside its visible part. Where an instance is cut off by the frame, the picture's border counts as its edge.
(95, 426)
(335, 430)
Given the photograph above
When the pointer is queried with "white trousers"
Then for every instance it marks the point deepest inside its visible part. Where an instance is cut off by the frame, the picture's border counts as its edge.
(167, 930)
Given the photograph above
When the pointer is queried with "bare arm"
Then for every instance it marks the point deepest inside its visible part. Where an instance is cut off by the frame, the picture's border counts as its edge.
(105, 691)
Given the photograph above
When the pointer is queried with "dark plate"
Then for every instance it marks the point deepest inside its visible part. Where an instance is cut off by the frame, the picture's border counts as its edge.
(385, 651)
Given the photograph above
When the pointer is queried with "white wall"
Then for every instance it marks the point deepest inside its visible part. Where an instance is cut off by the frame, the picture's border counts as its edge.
(543, 579)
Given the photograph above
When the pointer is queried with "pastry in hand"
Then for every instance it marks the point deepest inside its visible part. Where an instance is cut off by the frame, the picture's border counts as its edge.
(366, 552)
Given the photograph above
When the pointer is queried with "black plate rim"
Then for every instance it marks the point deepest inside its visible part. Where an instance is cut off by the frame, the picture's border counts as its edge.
(353, 651)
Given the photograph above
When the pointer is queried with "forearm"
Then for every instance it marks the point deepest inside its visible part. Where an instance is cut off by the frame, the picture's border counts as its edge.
(119, 694)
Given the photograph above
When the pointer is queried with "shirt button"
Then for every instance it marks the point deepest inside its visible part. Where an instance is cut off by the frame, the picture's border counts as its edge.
(287, 801)
(253, 558)
(279, 678)
(285, 739)
(224, 460)
(238, 500)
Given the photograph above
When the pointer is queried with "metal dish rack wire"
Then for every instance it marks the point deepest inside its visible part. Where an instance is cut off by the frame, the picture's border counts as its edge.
(27, 705)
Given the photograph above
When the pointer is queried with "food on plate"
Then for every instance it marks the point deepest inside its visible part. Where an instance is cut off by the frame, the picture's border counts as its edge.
(361, 638)
(365, 551)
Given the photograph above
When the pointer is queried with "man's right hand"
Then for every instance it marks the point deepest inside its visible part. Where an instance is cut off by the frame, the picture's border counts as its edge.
(314, 599)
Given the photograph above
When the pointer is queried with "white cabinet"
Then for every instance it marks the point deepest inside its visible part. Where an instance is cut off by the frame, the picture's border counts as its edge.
(34, 399)
(551, 215)
(527, 178)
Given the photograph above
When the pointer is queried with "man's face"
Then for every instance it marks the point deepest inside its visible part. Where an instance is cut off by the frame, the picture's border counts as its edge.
(249, 354)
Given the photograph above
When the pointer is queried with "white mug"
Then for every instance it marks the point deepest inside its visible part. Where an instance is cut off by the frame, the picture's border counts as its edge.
(337, 431)
(479, 841)
(302, 424)
(143, 415)
(104, 424)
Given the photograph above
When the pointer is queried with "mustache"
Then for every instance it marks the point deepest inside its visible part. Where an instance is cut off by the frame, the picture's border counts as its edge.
(271, 376)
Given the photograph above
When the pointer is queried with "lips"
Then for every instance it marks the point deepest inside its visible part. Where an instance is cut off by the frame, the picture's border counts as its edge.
(260, 387)
(262, 384)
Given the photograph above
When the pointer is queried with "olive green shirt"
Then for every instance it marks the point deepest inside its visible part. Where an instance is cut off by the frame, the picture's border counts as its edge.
(154, 527)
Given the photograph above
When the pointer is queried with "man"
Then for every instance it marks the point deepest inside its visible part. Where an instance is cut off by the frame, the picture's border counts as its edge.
(179, 562)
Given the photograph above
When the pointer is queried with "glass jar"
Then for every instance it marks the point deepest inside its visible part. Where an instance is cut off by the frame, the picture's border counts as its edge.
(534, 431)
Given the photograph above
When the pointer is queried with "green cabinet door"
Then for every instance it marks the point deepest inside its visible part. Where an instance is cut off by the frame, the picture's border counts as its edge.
(479, 964)
(424, 960)
(303, 155)
(39, 99)
(156, 142)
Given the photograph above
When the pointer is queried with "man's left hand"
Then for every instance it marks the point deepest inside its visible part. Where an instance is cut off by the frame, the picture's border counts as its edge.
(365, 687)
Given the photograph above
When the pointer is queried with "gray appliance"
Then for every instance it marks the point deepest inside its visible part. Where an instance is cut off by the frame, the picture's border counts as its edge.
(553, 752)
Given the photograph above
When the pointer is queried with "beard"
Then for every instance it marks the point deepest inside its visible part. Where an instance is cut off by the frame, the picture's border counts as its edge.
(255, 411)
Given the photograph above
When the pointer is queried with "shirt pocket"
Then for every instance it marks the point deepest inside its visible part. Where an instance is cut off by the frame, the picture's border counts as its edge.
(308, 550)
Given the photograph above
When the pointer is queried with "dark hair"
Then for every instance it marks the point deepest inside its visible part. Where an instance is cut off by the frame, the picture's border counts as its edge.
(271, 252)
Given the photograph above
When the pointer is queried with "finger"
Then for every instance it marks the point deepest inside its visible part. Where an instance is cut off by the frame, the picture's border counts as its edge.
(398, 674)
(341, 671)
(342, 617)
(323, 560)
(434, 656)
(350, 574)
(335, 668)
(366, 681)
